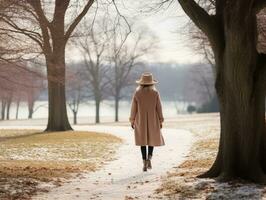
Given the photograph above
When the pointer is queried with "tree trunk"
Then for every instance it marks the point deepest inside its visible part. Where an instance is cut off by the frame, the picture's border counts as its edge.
(97, 110)
(30, 109)
(242, 143)
(3, 110)
(57, 113)
(30, 113)
(8, 110)
(116, 108)
(75, 117)
(241, 92)
(17, 110)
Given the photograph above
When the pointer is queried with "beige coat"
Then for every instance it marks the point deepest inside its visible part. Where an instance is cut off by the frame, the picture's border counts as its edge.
(146, 114)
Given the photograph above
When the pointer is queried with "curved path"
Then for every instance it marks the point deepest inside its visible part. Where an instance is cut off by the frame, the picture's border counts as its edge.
(123, 178)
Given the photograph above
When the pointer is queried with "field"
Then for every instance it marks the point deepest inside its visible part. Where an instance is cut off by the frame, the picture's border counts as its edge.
(30, 158)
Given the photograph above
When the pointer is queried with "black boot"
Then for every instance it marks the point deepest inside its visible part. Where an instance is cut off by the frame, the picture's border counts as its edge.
(149, 162)
(144, 165)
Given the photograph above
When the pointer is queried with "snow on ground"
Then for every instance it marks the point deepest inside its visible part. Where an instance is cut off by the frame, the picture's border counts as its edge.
(123, 178)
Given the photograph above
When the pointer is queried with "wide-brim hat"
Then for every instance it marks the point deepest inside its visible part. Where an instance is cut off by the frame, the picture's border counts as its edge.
(146, 79)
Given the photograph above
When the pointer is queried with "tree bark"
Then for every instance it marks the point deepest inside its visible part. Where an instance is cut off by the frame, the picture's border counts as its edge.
(54, 41)
(242, 142)
(240, 88)
(57, 119)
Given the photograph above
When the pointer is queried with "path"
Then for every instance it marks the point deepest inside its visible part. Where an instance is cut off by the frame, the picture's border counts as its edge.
(123, 177)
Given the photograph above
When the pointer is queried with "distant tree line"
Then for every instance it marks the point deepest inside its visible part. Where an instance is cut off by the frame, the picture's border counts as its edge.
(19, 83)
(176, 84)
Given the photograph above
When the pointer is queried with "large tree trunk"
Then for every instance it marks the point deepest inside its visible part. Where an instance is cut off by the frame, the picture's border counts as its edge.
(116, 108)
(242, 141)
(242, 144)
(57, 119)
(241, 92)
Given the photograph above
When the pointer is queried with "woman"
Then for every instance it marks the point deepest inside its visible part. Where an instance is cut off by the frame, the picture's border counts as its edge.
(146, 117)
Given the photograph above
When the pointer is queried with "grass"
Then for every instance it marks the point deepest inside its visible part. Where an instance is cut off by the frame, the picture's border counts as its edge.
(11, 133)
(182, 181)
(29, 157)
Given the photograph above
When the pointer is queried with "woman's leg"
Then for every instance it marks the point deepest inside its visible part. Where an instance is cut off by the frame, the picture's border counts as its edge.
(150, 151)
(144, 157)
(143, 152)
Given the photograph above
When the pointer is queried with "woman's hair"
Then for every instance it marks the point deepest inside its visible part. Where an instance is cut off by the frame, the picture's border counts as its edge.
(146, 87)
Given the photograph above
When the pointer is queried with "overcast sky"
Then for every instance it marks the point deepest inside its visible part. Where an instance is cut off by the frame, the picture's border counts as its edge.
(169, 26)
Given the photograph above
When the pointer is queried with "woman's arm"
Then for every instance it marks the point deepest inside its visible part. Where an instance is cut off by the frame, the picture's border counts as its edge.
(134, 110)
(159, 108)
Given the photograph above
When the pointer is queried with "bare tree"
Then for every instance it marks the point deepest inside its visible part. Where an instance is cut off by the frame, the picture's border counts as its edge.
(51, 33)
(200, 43)
(240, 84)
(198, 86)
(124, 56)
(16, 84)
(76, 85)
(9, 85)
(75, 101)
(32, 93)
(93, 47)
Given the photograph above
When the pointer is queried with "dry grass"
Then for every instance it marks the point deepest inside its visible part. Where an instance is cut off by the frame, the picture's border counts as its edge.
(11, 133)
(29, 157)
(211, 144)
(182, 182)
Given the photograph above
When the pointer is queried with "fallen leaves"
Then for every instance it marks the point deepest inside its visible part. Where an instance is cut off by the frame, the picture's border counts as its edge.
(182, 181)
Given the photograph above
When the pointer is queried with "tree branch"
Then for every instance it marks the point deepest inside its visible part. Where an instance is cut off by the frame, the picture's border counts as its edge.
(210, 25)
(60, 10)
(127, 23)
(36, 5)
(44, 24)
(35, 36)
(198, 15)
(78, 19)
